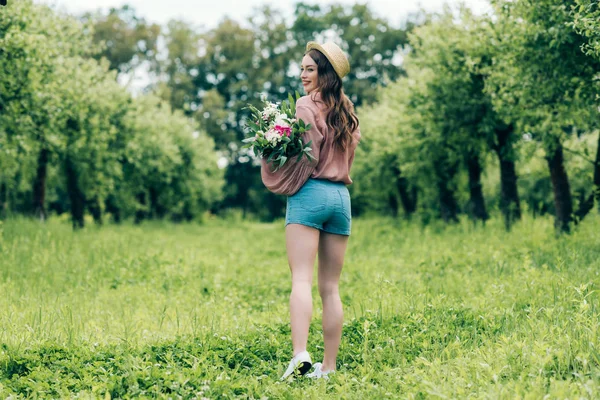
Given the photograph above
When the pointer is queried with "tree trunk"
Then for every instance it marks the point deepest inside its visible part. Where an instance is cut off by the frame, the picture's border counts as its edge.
(140, 215)
(3, 200)
(597, 174)
(561, 188)
(76, 196)
(156, 209)
(408, 195)
(476, 202)
(414, 196)
(509, 194)
(393, 203)
(245, 207)
(39, 185)
(112, 208)
(586, 205)
(95, 210)
(448, 204)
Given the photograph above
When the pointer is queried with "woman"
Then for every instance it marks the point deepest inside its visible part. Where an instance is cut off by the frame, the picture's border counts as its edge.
(318, 216)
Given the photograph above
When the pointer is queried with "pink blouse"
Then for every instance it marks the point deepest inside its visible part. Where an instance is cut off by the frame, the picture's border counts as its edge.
(331, 163)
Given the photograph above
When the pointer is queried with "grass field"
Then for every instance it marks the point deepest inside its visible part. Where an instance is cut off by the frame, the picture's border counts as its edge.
(201, 311)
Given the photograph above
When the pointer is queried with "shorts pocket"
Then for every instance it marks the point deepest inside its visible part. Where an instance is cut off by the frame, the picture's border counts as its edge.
(346, 207)
(311, 200)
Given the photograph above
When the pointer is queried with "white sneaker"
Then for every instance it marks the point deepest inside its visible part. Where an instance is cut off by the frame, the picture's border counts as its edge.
(319, 373)
(299, 365)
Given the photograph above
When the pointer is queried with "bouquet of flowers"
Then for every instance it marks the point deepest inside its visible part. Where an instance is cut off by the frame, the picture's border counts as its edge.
(276, 134)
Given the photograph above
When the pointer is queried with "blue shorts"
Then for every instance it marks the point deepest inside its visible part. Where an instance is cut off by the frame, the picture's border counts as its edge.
(321, 204)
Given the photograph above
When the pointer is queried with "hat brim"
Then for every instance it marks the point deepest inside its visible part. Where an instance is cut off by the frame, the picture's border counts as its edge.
(339, 70)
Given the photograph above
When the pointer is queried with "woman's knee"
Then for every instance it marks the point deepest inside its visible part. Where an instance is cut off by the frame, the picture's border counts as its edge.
(302, 283)
(327, 289)
(301, 272)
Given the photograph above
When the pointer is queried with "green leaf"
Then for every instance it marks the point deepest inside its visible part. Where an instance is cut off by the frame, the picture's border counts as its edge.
(282, 161)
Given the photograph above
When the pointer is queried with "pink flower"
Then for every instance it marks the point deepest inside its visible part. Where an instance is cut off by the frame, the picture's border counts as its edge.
(283, 129)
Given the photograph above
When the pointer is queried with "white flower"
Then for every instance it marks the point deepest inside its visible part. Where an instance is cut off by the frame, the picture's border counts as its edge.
(272, 136)
(269, 111)
(281, 119)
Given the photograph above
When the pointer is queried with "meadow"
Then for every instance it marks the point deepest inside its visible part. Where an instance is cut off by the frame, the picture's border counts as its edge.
(201, 311)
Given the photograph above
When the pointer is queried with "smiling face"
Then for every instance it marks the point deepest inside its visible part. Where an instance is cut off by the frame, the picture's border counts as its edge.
(309, 75)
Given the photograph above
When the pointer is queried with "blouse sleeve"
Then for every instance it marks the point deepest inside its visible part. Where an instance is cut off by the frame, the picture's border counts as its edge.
(288, 179)
(357, 137)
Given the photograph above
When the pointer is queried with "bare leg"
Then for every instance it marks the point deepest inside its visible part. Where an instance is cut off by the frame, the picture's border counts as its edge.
(302, 243)
(332, 249)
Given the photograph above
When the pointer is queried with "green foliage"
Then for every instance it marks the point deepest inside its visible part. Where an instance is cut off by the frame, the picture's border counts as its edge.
(468, 80)
(372, 43)
(532, 66)
(544, 81)
(453, 50)
(105, 149)
(587, 23)
(426, 124)
(213, 74)
(143, 311)
(36, 46)
(385, 127)
(125, 39)
(541, 78)
(168, 168)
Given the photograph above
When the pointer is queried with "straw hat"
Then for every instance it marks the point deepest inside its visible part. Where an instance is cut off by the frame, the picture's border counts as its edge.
(334, 54)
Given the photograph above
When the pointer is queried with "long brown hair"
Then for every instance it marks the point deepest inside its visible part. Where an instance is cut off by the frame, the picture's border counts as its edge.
(340, 114)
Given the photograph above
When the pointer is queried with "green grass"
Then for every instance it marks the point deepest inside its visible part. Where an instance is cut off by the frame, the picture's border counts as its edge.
(201, 311)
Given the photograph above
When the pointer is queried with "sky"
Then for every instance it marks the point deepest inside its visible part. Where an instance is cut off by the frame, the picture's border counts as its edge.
(208, 13)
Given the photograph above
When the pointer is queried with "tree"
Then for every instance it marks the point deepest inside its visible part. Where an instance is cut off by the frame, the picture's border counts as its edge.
(453, 103)
(168, 168)
(35, 41)
(125, 39)
(543, 80)
(93, 103)
(384, 178)
(232, 65)
(374, 47)
(64, 119)
(179, 68)
(587, 23)
(459, 49)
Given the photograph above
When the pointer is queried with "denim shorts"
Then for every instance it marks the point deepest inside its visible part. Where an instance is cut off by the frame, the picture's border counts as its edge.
(321, 204)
